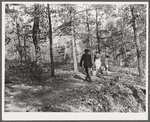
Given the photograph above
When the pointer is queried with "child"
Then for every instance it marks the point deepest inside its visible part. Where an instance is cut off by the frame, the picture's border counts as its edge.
(106, 61)
(97, 60)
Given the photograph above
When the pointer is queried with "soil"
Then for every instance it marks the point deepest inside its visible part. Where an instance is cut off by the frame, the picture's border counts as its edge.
(115, 91)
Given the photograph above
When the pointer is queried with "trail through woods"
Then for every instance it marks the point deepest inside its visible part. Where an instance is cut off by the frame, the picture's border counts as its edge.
(67, 92)
(43, 47)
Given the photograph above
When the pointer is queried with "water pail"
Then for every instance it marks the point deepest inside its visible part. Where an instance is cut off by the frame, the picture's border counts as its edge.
(93, 72)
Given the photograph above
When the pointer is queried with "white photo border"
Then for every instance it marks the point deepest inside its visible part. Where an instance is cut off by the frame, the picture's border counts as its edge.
(70, 116)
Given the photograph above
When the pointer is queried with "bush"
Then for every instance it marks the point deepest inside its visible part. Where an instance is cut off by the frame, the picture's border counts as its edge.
(29, 70)
(36, 72)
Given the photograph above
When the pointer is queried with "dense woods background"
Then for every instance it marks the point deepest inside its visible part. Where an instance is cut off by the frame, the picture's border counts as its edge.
(43, 41)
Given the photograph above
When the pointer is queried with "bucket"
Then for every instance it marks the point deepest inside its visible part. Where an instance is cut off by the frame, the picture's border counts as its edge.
(94, 72)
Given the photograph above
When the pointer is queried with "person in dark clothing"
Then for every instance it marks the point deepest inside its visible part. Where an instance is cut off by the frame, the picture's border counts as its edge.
(86, 58)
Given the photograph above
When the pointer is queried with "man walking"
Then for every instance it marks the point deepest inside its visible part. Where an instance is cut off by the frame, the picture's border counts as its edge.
(86, 58)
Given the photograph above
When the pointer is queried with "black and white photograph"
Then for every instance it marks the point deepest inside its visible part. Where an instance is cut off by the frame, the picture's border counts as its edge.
(75, 60)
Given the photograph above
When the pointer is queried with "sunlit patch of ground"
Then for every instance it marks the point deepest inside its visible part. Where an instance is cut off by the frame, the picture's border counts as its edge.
(69, 92)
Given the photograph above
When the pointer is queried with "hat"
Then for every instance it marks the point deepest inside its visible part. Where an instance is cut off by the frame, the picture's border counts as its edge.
(86, 50)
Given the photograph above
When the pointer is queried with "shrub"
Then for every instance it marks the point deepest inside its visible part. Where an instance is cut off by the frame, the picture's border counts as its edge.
(35, 71)
(28, 69)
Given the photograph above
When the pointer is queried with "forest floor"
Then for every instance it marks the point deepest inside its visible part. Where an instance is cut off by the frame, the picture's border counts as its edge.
(121, 90)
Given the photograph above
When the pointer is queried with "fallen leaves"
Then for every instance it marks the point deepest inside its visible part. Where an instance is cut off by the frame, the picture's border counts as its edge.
(69, 92)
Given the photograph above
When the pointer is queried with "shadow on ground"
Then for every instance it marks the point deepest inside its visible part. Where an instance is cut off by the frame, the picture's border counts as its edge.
(69, 92)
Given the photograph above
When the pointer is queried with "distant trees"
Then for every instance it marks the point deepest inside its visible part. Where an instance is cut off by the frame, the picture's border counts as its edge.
(67, 28)
(135, 22)
(97, 27)
(17, 29)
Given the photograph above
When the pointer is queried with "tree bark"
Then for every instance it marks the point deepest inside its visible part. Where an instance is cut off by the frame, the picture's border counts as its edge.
(137, 41)
(113, 52)
(36, 33)
(125, 47)
(73, 44)
(65, 53)
(87, 22)
(25, 54)
(97, 36)
(51, 43)
(19, 42)
(88, 27)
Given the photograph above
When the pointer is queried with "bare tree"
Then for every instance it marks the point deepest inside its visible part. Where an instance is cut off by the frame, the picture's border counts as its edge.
(73, 41)
(36, 32)
(51, 42)
(136, 39)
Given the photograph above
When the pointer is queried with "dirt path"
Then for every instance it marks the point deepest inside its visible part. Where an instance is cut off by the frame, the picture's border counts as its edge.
(25, 98)
(70, 93)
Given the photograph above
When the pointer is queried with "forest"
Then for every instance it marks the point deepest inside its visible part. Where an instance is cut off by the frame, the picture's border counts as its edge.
(43, 47)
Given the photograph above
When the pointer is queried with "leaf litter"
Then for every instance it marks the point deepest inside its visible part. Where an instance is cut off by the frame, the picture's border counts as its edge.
(68, 92)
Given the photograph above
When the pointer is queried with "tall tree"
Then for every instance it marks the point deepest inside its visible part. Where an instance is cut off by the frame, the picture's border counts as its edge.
(36, 32)
(72, 12)
(19, 41)
(51, 42)
(25, 43)
(136, 38)
(97, 36)
(88, 28)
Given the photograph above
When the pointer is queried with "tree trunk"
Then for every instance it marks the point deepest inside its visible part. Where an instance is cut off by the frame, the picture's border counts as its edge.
(25, 54)
(122, 54)
(97, 36)
(36, 33)
(125, 47)
(74, 45)
(51, 43)
(87, 22)
(19, 42)
(88, 27)
(113, 52)
(65, 53)
(74, 53)
(118, 60)
(137, 41)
